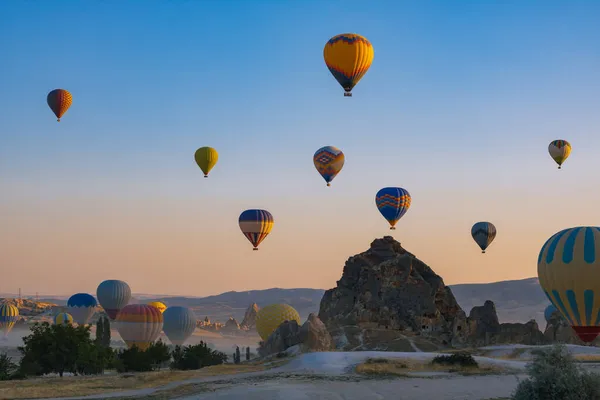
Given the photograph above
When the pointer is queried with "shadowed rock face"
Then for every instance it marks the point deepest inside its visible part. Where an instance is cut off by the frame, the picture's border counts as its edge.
(249, 321)
(387, 288)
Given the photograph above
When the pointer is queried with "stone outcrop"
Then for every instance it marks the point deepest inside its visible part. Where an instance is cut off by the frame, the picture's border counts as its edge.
(386, 293)
(314, 335)
(558, 330)
(249, 321)
(286, 335)
(485, 329)
(311, 336)
(230, 327)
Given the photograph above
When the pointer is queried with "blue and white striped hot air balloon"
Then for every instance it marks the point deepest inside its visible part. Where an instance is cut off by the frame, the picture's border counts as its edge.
(179, 323)
(81, 306)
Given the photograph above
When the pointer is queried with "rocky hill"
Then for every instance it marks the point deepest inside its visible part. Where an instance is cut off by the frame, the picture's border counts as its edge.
(387, 298)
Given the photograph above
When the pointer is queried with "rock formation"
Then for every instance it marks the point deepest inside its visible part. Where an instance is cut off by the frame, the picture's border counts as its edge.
(249, 321)
(231, 326)
(386, 293)
(311, 336)
(485, 329)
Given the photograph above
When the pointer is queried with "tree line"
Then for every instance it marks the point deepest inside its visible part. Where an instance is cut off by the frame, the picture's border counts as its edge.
(65, 348)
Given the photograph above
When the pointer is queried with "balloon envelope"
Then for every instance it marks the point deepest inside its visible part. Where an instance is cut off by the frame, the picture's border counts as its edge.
(328, 161)
(549, 311)
(63, 319)
(348, 57)
(59, 101)
(568, 266)
(81, 306)
(179, 324)
(9, 315)
(559, 151)
(483, 233)
(113, 295)
(206, 158)
(393, 203)
(270, 317)
(139, 325)
(158, 304)
(256, 225)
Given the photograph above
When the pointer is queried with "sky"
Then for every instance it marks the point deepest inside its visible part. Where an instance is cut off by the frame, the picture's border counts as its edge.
(458, 108)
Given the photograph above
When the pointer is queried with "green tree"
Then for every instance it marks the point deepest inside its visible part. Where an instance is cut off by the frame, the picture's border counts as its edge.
(100, 331)
(196, 357)
(53, 348)
(159, 353)
(7, 367)
(106, 335)
(554, 375)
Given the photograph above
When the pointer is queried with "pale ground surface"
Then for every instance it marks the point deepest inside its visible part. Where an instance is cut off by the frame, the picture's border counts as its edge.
(329, 375)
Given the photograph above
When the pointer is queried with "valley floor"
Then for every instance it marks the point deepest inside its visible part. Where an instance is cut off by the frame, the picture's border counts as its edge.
(331, 375)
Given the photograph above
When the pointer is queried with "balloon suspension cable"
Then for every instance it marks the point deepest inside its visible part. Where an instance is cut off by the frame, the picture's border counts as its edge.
(256, 248)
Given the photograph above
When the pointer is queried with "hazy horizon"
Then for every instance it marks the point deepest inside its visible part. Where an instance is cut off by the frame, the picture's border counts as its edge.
(458, 108)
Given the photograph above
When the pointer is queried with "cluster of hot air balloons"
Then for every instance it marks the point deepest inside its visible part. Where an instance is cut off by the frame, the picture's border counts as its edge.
(566, 263)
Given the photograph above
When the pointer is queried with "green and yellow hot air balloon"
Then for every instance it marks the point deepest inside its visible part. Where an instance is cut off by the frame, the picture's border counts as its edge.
(559, 151)
(206, 158)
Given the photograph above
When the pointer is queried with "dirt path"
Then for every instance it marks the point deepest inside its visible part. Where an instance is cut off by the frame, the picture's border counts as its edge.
(447, 388)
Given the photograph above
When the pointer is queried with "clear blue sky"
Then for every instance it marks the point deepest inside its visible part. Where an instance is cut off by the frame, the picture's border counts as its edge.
(461, 101)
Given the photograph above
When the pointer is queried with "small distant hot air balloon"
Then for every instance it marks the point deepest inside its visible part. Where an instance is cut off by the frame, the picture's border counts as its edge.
(393, 203)
(113, 295)
(483, 233)
(568, 267)
(270, 317)
(559, 151)
(329, 161)
(59, 101)
(206, 158)
(549, 311)
(9, 314)
(139, 325)
(81, 306)
(63, 319)
(179, 324)
(158, 304)
(256, 225)
(348, 57)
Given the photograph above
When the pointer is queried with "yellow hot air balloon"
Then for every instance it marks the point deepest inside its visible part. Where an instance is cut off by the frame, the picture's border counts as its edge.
(206, 158)
(9, 314)
(559, 151)
(348, 57)
(158, 304)
(270, 317)
(568, 266)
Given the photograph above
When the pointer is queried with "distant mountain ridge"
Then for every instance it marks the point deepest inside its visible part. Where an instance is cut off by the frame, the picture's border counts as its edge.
(515, 300)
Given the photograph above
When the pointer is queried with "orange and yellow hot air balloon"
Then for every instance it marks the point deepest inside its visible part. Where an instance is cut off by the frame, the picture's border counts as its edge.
(139, 325)
(59, 101)
(348, 56)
